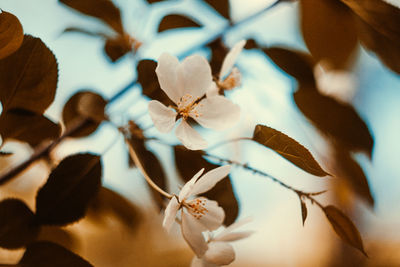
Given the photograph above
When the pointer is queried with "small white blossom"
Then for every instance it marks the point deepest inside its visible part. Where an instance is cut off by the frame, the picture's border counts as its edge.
(186, 84)
(198, 214)
(219, 251)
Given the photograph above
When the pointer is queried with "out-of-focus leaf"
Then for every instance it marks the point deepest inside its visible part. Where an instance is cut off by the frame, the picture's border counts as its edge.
(11, 34)
(221, 6)
(338, 120)
(27, 127)
(109, 202)
(104, 10)
(57, 235)
(379, 29)
(295, 63)
(150, 163)
(175, 21)
(333, 43)
(154, 1)
(344, 228)
(304, 211)
(117, 47)
(47, 254)
(251, 44)
(189, 162)
(218, 53)
(350, 170)
(288, 148)
(28, 77)
(69, 189)
(85, 32)
(84, 105)
(5, 153)
(148, 79)
(17, 227)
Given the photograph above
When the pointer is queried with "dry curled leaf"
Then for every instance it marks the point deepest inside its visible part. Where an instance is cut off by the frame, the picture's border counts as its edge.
(104, 10)
(344, 228)
(288, 148)
(332, 43)
(17, 227)
(47, 254)
(84, 105)
(175, 21)
(11, 34)
(69, 189)
(27, 127)
(28, 77)
(188, 162)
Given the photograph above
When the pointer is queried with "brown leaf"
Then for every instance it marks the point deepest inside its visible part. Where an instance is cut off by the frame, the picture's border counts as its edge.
(295, 63)
(288, 148)
(148, 79)
(218, 53)
(175, 21)
(28, 77)
(27, 127)
(338, 121)
(303, 210)
(85, 32)
(335, 42)
(104, 10)
(350, 170)
(84, 105)
(69, 189)
(221, 6)
(11, 34)
(47, 254)
(150, 163)
(59, 236)
(154, 1)
(17, 228)
(117, 47)
(108, 202)
(189, 162)
(344, 228)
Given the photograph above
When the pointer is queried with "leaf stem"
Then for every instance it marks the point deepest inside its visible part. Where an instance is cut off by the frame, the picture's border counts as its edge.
(271, 177)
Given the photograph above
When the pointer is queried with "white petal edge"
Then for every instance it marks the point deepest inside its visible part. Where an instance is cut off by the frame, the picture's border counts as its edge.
(210, 179)
(213, 218)
(230, 237)
(192, 233)
(220, 253)
(189, 137)
(195, 74)
(170, 213)
(216, 112)
(187, 188)
(162, 116)
(230, 58)
(167, 68)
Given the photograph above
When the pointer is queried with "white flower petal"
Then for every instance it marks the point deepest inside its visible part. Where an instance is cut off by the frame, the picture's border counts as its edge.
(220, 253)
(192, 233)
(186, 190)
(166, 70)
(230, 58)
(216, 112)
(170, 213)
(213, 90)
(207, 212)
(196, 262)
(195, 74)
(230, 237)
(210, 179)
(162, 116)
(189, 137)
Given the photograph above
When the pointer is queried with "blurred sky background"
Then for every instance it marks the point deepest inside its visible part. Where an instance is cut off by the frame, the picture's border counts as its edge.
(265, 97)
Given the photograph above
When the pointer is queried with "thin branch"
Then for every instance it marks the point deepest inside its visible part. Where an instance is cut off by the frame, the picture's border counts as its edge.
(274, 179)
(227, 142)
(41, 152)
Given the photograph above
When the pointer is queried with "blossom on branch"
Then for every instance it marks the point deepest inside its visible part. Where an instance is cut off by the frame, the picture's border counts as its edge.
(219, 251)
(198, 214)
(186, 84)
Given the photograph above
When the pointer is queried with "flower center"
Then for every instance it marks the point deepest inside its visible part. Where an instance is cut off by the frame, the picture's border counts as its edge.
(197, 208)
(186, 106)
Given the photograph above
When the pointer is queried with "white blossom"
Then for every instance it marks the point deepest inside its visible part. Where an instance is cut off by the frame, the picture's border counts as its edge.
(219, 251)
(198, 214)
(186, 84)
